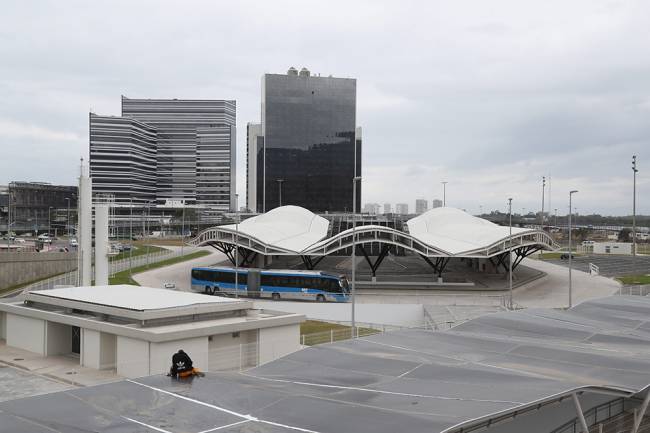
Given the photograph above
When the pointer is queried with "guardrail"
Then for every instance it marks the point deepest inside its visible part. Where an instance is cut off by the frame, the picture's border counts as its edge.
(70, 278)
(638, 290)
(594, 416)
(593, 269)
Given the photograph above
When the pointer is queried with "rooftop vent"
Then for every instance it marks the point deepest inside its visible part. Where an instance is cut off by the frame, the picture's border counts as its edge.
(292, 71)
(304, 72)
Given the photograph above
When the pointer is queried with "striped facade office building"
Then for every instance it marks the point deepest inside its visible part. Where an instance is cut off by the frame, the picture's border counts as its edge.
(194, 150)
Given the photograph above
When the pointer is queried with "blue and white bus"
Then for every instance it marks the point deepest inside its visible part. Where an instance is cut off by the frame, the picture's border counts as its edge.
(274, 284)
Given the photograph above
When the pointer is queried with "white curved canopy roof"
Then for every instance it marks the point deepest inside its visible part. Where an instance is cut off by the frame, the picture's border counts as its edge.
(290, 228)
(455, 231)
(441, 232)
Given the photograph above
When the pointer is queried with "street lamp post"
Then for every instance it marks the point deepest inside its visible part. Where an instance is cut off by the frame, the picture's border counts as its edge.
(543, 191)
(354, 247)
(279, 181)
(444, 193)
(236, 246)
(555, 217)
(49, 221)
(67, 218)
(634, 170)
(510, 251)
(183, 229)
(131, 236)
(570, 252)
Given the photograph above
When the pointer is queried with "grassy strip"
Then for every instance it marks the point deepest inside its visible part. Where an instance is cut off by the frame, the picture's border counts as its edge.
(316, 332)
(141, 251)
(124, 277)
(635, 279)
(552, 256)
(18, 286)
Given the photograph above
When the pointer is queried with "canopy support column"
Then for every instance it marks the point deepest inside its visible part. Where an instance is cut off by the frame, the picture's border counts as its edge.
(641, 413)
(382, 255)
(581, 415)
(311, 263)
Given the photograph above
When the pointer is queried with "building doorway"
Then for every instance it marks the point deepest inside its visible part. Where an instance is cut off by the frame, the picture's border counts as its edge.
(76, 340)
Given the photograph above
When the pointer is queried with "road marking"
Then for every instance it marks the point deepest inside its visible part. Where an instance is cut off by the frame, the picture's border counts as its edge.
(221, 409)
(224, 426)
(146, 425)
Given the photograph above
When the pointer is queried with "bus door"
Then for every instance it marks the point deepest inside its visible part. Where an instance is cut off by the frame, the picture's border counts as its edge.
(254, 283)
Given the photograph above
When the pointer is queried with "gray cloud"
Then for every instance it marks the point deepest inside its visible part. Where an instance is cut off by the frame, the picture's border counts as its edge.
(487, 95)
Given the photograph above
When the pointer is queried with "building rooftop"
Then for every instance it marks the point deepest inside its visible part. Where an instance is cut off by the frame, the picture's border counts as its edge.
(497, 369)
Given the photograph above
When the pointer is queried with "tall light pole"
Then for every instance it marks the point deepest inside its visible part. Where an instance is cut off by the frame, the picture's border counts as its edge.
(131, 236)
(570, 252)
(354, 247)
(510, 250)
(49, 221)
(634, 170)
(444, 193)
(543, 193)
(183, 229)
(237, 246)
(67, 218)
(279, 181)
(555, 217)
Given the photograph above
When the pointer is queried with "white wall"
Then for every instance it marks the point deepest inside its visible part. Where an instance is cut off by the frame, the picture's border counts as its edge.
(58, 338)
(614, 248)
(132, 357)
(90, 348)
(26, 333)
(229, 352)
(3, 325)
(161, 354)
(384, 314)
(107, 350)
(278, 341)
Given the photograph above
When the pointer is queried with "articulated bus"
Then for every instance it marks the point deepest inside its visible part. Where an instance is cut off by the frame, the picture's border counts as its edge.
(275, 284)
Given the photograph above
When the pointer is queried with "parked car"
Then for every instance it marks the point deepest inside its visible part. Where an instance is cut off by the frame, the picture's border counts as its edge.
(19, 240)
(169, 285)
(565, 256)
(74, 243)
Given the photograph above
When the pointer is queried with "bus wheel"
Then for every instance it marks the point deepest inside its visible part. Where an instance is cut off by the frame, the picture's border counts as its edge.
(275, 296)
(207, 290)
(210, 291)
(320, 298)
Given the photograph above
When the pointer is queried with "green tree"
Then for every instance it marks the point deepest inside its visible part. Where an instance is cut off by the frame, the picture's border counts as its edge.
(624, 235)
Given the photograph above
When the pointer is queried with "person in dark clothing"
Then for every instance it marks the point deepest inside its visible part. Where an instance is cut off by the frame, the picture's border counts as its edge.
(181, 363)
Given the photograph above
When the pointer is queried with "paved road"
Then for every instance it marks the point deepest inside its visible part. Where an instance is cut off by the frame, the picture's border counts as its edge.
(178, 273)
(553, 290)
(610, 265)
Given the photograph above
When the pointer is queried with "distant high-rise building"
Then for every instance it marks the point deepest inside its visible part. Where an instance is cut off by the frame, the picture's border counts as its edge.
(421, 206)
(387, 208)
(311, 147)
(123, 158)
(254, 141)
(402, 208)
(371, 208)
(436, 203)
(192, 143)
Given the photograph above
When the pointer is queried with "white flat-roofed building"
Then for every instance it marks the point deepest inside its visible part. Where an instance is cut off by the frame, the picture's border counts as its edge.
(136, 330)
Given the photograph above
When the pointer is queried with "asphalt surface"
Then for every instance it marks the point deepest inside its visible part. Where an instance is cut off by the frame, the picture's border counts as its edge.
(609, 266)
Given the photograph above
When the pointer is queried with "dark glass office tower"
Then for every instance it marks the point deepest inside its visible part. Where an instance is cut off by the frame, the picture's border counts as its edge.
(307, 155)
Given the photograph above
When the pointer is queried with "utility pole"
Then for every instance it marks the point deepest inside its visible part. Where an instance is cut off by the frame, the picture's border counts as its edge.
(67, 219)
(131, 237)
(570, 252)
(555, 217)
(183, 229)
(634, 170)
(510, 251)
(444, 193)
(543, 191)
(354, 247)
(237, 246)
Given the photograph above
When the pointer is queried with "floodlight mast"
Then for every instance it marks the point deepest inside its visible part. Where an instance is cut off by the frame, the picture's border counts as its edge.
(635, 171)
(510, 250)
(354, 247)
(570, 252)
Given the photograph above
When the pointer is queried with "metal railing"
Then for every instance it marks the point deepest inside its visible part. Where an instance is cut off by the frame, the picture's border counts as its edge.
(593, 269)
(638, 290)
(594, 416)
(70, 278)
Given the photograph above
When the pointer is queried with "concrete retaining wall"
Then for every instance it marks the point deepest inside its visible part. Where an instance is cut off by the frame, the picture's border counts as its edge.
(19, 268)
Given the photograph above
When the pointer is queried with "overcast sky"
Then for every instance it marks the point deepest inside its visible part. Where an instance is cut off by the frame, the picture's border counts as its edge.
(487, 95)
